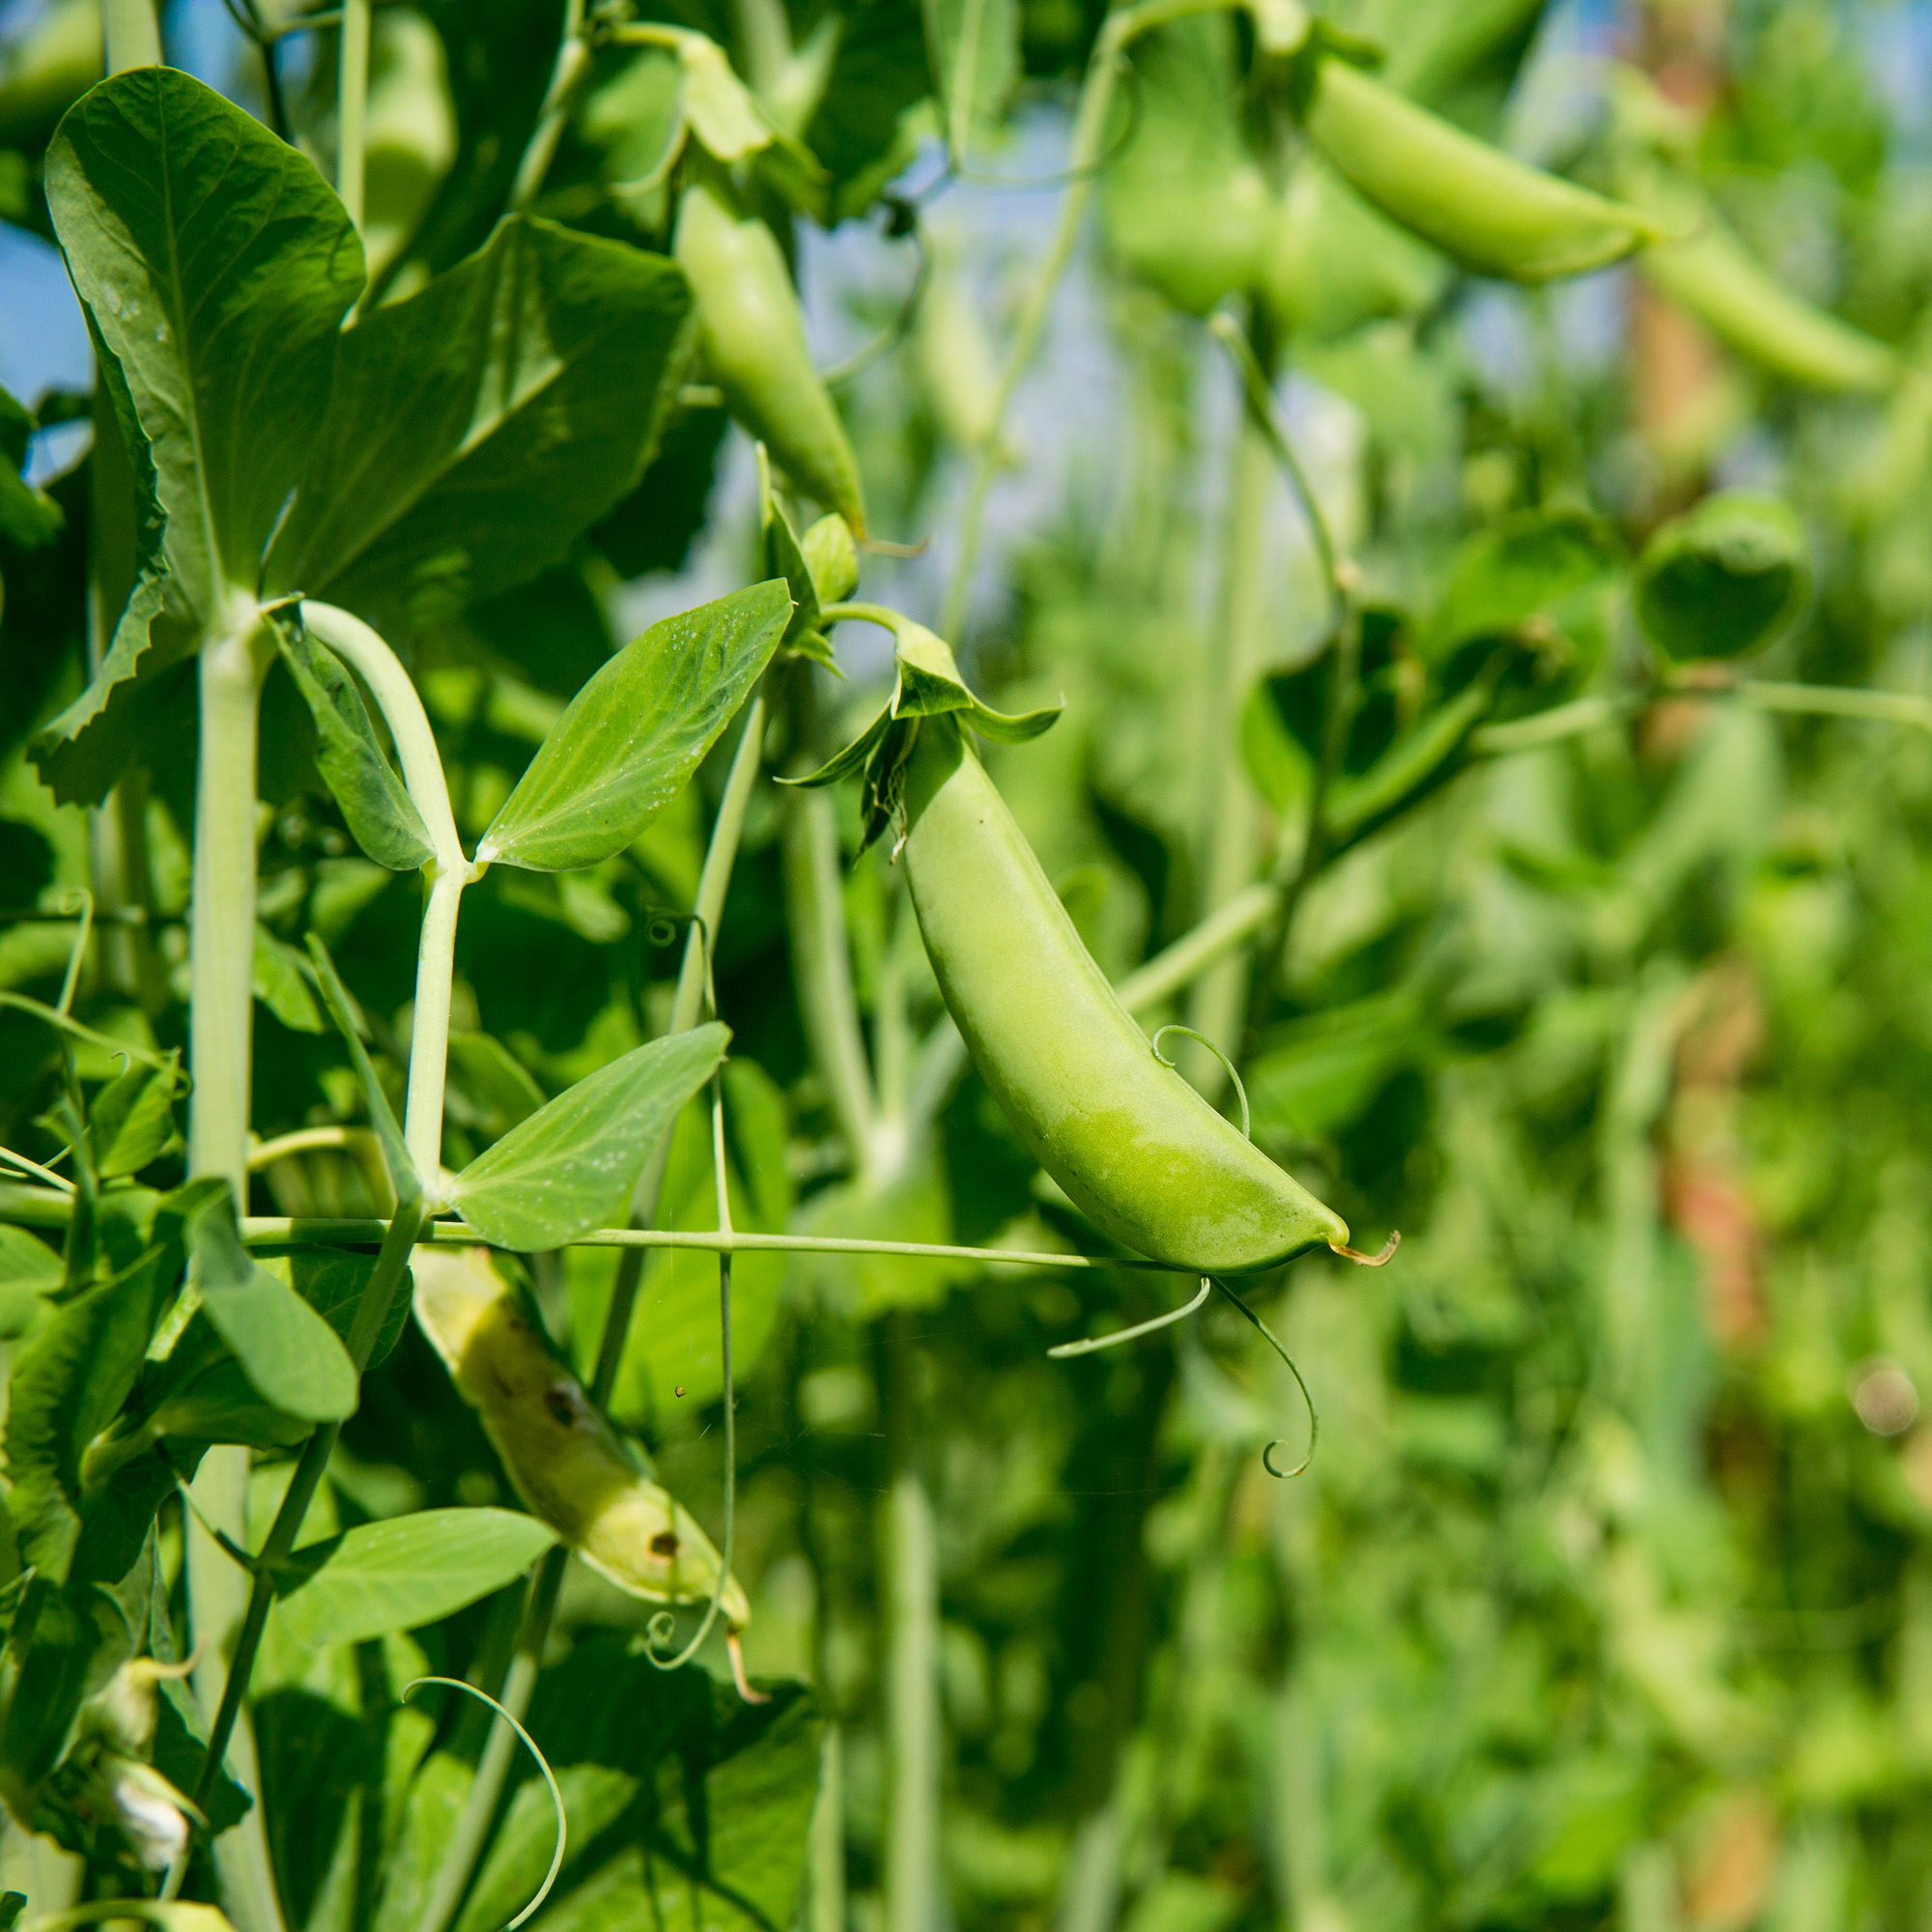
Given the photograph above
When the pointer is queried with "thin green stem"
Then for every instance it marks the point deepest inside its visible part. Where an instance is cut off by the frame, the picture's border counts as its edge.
(822, 967)
(913, 1730)
(1338, 573)
(573, 54)
(1830, 700)
(479, 1806)
(720, 1180)
(279, 1230)
(1226, 927)
(1230, 831)
(351, 107)
(1090, 124)
(1338, 716)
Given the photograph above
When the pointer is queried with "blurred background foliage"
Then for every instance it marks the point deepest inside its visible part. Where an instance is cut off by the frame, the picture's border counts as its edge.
(1607, 1595)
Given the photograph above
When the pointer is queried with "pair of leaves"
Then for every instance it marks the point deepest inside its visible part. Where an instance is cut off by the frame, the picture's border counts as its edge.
(446, 448)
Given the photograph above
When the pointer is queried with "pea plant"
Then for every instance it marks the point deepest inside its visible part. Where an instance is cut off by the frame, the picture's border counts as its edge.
(456, 1061)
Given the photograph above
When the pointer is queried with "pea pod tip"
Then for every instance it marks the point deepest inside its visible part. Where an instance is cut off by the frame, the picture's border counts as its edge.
(1375, 1261)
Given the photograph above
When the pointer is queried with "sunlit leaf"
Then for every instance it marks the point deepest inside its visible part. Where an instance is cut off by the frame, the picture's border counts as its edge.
(408, 1571)
(635, 732)
(475, 428)
(573, 1165)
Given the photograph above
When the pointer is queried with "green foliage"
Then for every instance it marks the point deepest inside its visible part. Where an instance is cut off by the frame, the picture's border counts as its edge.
(1456, 729)
(381, 1578)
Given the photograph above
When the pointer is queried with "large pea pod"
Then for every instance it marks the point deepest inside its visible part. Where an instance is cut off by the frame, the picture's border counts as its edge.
(1712, 274)
(564, 1459)
(1471, 200)
(1134, 1146)
(753, 341)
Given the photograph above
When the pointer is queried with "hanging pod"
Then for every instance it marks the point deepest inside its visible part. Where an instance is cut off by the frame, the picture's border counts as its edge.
(1715, 277)
(1472, 201)
(1134, 1146)
(567, 1463)
(752, 338)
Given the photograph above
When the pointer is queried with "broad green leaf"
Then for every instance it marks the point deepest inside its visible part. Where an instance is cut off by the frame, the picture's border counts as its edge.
(402, 1176)
(381, 815)
(635, 732)
(79, 1638)
(478, 428)
(717, 1834)
(573, 1165)
(214, 266)
(27, 1262)
(132, 1120)
(1526, 568)
(409, 1571)
(1724, 579)
(290, 1355)
(68, 1387)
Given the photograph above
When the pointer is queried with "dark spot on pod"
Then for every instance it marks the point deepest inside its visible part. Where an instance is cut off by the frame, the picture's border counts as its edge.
(664, 1543)
(560, 1399)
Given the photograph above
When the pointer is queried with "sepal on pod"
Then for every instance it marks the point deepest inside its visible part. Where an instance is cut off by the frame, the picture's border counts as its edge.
(928, 685)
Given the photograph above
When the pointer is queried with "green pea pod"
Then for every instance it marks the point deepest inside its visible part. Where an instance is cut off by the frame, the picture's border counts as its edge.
(565, 1460)
(1715, 277)
(753, 340)
(1471, 200)
(1134, 1146)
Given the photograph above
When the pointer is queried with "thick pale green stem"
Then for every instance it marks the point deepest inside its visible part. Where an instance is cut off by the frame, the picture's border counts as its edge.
(351, 107)
(131, 35)
(429, 1031)
(222, 924)
(221, 960)
(396, 697)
